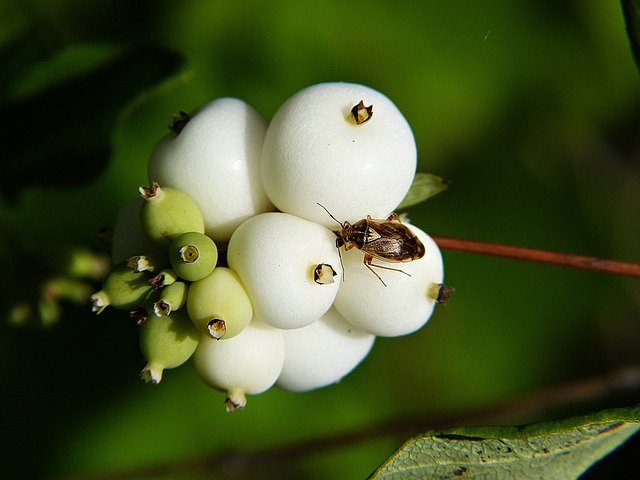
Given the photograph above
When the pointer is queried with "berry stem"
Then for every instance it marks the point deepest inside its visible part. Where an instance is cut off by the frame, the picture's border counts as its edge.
(537, 255)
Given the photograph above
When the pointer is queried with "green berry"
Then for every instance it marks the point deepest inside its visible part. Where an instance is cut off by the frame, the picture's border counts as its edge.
(122, 288)
(219, 304)
(166, 342)
(167, 213)
(193, 256)
(172, 298)
(164, 278)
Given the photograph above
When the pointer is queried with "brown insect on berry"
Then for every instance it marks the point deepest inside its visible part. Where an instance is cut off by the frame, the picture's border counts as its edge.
(388, 240)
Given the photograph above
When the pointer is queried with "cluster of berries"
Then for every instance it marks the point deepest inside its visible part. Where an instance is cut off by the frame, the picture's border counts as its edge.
(234, 256)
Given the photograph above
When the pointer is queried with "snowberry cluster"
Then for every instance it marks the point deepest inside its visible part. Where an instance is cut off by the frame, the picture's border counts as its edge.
(234, 254)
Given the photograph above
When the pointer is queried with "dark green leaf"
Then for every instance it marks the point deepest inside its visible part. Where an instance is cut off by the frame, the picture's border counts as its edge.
(631, 11)
(424, 186)
(57, 123)
(560, 449)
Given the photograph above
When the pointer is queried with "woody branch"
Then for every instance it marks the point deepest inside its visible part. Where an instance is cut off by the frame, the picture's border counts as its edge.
(537, 255)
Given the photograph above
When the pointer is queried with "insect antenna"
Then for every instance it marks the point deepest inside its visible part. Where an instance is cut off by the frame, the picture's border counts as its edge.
(341, 264)
(325, 209)
(339, 223)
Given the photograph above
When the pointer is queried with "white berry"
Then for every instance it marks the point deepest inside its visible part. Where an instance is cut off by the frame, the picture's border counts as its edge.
(402, 306)
(315, 152)
(215, 159)
(248, 363)
(276, 255)
(322, 353)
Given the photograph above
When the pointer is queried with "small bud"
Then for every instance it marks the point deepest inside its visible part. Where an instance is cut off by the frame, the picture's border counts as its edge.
(146, 263)
(163, 279)
(173, 297)
(161, 308)
(236, 400)
(440, 292)
(217, 328)
(361, 114)
(179, 122)
(139, 314)
(323, 274)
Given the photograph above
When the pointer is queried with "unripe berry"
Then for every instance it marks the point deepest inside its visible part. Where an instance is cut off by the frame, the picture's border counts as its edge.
(193, 256)
(172, 298)
(122, 288)
(167, 213)
(322, 353)
(316, 151)
(215, 158)
(166, 342)
(402, 306)
(248, 363)
(219, 305)
(277, 256)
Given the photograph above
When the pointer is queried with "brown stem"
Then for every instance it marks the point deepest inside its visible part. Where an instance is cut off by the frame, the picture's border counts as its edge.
(536, 255)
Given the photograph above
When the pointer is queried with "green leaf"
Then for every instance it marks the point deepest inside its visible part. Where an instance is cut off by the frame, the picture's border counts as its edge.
(631, 12)
(424, 186)
(559, 449)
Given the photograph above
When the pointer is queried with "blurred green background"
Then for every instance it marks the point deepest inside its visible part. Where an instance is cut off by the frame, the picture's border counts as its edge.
(531, 109)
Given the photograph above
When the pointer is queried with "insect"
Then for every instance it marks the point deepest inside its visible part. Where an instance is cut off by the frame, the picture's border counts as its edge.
(388, 240)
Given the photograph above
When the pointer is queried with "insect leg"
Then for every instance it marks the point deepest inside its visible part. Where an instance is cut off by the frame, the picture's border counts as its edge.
(368, 265)
(368, 261)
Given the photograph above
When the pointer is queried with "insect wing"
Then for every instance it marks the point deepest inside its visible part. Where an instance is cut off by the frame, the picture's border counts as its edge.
(392, 241)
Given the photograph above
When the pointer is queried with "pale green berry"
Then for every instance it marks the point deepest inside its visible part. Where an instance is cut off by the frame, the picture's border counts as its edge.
(219, 304)
(166, 342)
(193, 256)
(122, 288)
(164, 278)
(167, 213)
(248, 363)
(172, 298)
